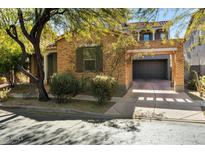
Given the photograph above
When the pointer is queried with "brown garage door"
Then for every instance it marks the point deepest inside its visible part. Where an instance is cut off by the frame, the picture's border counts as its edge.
(150, 69)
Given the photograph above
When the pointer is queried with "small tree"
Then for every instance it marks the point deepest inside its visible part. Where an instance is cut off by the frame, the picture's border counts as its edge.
(116, 51)
(30, 23)
(9, 62)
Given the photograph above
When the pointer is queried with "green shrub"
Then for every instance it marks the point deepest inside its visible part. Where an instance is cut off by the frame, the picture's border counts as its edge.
(200, 83)
(103, 87)
(2, 80)
(4, 94)
(63, 86)
(203, 79)
(192, 84)
(84, 83)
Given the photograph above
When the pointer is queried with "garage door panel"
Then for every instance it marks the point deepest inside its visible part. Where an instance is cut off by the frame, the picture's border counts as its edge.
(150, 69)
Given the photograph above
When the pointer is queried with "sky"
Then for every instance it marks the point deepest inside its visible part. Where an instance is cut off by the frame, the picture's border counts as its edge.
(179, 28)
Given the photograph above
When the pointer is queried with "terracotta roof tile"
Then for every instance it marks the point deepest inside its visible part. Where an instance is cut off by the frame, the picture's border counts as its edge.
(144, 24)
(51, 46)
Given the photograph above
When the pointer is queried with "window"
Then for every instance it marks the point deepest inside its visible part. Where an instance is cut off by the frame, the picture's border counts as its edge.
(89, 58)
(162, 36)
(146, 37)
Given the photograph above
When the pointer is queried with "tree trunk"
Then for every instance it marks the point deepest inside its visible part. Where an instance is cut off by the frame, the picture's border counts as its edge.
(9, 78)
(43, 96)
(13, 78)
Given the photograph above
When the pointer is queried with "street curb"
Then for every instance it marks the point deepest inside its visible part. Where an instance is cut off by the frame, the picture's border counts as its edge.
(73, 112)
(77, 97)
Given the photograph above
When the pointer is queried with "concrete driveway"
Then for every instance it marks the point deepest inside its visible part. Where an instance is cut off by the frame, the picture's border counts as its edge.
(156, 90)
(156, 99)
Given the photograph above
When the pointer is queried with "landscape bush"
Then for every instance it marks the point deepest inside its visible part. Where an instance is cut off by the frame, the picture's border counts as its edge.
(2, 80)
(84, 83)
(4, 94)
(63, 86)
(103, 87)
(200, 83)
(203, 79)
(192, 84)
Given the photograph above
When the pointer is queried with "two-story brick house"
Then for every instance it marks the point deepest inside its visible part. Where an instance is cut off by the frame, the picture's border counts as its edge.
(164, 58)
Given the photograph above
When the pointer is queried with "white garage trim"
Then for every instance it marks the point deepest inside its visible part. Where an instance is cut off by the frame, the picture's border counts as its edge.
(151, 50)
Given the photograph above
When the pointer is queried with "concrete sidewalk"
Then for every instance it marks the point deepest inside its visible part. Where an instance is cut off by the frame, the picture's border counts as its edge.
(5, 85)
(172, 111)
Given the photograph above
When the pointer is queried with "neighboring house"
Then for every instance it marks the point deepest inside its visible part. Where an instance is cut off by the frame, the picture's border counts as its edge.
(194, 51)
(164, 58)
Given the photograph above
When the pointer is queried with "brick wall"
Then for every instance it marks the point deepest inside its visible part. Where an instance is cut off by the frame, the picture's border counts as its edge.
(177, 59)
(66, 59)
(159, 44)
(179, 70)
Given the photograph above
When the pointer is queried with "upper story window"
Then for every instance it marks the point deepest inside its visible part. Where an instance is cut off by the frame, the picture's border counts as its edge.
(146, 37)
(162, 36)
(89, 59)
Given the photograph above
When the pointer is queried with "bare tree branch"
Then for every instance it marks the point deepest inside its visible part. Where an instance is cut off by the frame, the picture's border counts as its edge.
(23, 28)
(20, 68)
(15, 38)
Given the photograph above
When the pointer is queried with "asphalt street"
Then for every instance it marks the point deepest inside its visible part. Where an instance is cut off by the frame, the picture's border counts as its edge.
(19, 129)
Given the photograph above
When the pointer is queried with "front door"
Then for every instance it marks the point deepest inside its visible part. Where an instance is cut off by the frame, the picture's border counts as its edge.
(52, 64)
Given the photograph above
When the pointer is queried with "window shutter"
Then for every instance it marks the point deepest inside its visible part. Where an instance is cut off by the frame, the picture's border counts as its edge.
(79, 60)
(141, 36)
(99, 59)
(150, 36)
